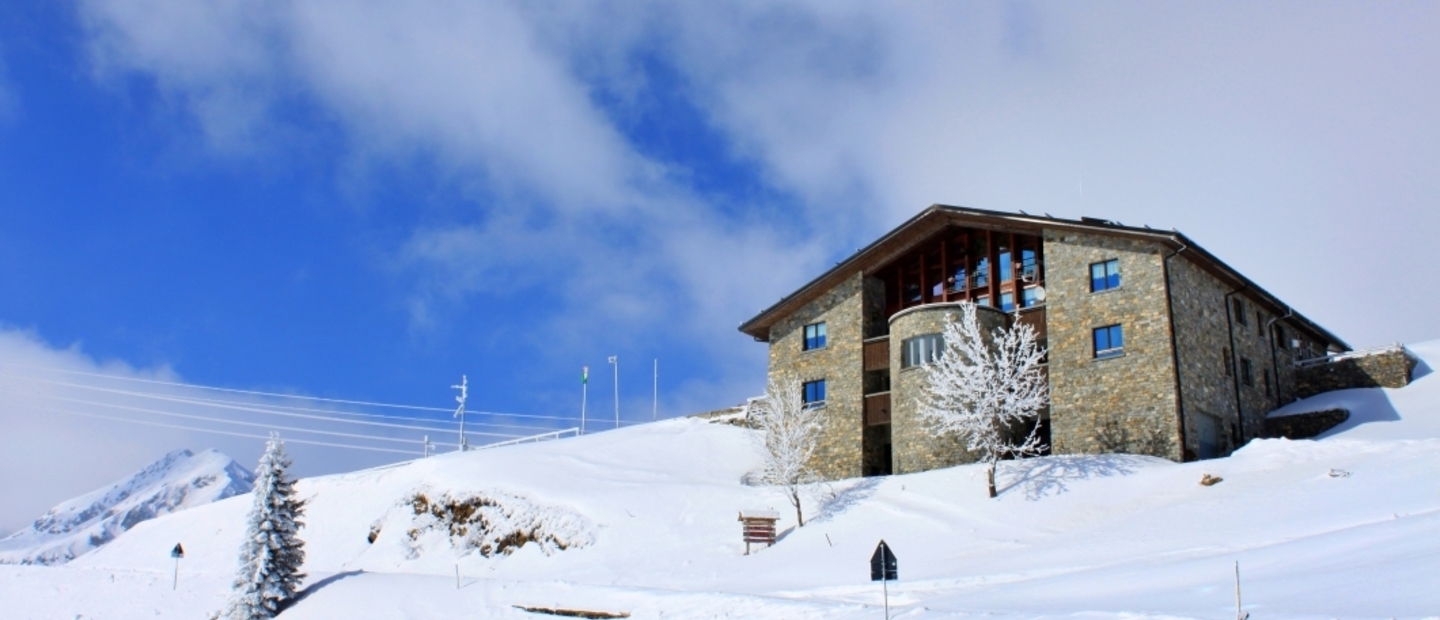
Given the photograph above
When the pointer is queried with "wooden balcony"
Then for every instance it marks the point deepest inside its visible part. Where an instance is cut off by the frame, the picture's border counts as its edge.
(877, 408)
(877, 353)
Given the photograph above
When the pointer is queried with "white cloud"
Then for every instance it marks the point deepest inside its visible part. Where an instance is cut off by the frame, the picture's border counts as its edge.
(1264, 131)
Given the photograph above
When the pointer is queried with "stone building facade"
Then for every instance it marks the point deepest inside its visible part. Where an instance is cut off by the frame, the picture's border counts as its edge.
(1168, 351)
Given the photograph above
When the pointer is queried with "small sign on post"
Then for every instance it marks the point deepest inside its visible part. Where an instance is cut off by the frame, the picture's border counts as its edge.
(177, 553)
(883, 568)
(758, 527)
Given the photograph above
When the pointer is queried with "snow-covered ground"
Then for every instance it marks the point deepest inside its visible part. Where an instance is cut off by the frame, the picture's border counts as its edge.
(1344, 527)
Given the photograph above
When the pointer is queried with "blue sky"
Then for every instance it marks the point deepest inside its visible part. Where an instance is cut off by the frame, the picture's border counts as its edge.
(366, 200)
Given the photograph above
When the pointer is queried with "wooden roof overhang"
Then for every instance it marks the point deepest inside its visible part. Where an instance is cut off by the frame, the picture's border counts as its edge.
(937, 217)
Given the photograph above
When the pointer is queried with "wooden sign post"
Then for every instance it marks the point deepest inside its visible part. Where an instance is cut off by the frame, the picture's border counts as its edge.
(758, 527)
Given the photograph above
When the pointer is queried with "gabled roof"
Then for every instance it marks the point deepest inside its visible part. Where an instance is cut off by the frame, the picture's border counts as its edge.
(915, 230)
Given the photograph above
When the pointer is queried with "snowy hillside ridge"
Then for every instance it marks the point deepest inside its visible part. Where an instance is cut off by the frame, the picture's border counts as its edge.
(491, 523)
(179, 480)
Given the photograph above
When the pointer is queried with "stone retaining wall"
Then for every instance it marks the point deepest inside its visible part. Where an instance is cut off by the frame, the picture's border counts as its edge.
(1389, 368)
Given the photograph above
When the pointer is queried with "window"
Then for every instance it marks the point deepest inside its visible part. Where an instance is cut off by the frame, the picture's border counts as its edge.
(1007, 301)
(1105, 276)
(814, 392)
(814, 336)
(983, 300)
(1227, 361)
(982, 273)
(1266, 377)
(1109, 341)
(1007, 266)
(1239, 311)
(1029, 297)
(921, 350)
(1247, 373)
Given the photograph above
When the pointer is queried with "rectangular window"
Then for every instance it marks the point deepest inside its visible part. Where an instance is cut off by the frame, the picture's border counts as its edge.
(1109, 341)
(1227, 361)
(1247, 373)
(1029, 266)
(1266, 377)
(983, 300)
(1007, 301)
(815, 336)
(1239, 310)
(921, 350)
(1007, 266)
(1029, 297)
(814, 392)
(1105, 276)
(982, 273)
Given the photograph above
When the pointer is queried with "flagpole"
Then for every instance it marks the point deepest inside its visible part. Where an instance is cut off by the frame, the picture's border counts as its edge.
(615, 361)
(655, 403)
(584, 387)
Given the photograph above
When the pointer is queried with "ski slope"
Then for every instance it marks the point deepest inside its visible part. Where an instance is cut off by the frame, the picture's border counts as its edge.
(1344, 527)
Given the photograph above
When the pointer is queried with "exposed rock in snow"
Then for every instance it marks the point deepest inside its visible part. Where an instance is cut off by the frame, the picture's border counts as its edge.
(180, 480)
(492, 523)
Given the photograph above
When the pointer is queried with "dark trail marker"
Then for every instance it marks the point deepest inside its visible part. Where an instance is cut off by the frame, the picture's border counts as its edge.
(883, 568)
(177, 553)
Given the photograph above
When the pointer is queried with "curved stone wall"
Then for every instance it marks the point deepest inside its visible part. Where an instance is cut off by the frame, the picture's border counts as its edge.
(914, 446)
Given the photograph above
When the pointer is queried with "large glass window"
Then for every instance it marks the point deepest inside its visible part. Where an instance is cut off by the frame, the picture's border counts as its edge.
(1007, 301)
(1104, 276)
(1029, 265)
(982, 273)
(1109, 341)
(814, 392)
(921, 350)
(1029, 297)
(1007, 265)
(814, 336)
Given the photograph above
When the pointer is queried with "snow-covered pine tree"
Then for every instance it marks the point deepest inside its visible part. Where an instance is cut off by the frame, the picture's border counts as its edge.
(987, 394)
(789, 434)
(272, 552)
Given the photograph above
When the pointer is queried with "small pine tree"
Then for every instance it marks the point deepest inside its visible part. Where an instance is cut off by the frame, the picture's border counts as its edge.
(272, 552)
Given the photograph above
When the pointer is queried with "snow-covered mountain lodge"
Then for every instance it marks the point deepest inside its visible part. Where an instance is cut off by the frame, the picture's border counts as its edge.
(1155, 345)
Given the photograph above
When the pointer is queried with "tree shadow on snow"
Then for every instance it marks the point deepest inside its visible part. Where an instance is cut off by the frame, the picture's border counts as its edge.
(315, 587)
(834, 502)
(1050, 475)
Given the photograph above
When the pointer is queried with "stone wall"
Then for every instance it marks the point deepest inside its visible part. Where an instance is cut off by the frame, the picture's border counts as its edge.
(1207, 383)
(1387, 368)
(914, 445)
(839, 363)
(1305, 425)
(1137, 387)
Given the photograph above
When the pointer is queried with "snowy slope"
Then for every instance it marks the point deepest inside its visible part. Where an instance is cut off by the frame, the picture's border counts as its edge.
(1385, 414)
(1348, 526)
(177, 481)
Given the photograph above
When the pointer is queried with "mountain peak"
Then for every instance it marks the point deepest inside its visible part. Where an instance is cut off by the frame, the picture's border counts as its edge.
(181, 479)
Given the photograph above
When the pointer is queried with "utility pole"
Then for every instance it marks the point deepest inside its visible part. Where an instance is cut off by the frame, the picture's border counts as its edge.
(584, 387)
(460, 412)
(425, 449)
(615, 361)
(1239, 614)
(655, 403)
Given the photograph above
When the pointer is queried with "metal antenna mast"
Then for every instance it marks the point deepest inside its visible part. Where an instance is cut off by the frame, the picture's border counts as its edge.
(460, 412)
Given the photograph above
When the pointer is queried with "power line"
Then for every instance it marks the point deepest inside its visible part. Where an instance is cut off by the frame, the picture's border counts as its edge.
(259, 408)
(256, 424)
(230, 433)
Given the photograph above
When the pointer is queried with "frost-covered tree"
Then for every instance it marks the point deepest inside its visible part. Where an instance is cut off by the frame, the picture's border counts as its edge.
(789, 433)
(272, 552)
(987, 394)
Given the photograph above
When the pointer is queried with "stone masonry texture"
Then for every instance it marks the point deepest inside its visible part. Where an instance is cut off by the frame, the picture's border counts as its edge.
(1136, 388)
(914, 445)
(839, 363)
(1390, 368)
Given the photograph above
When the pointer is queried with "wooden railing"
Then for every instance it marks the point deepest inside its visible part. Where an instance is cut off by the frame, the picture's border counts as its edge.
(877, 408)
